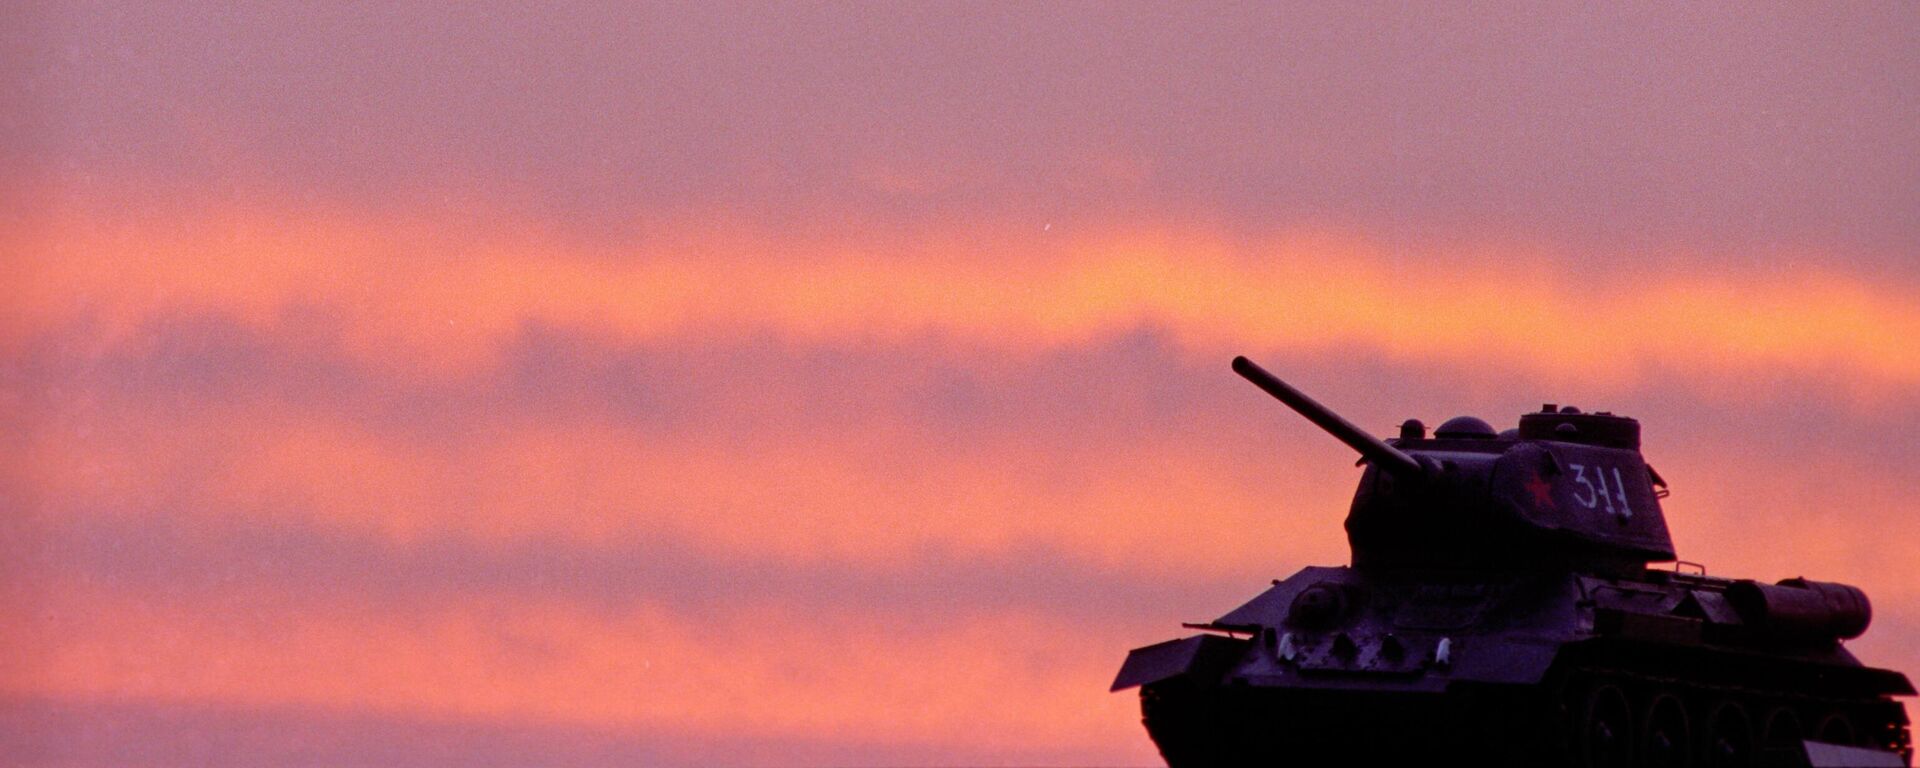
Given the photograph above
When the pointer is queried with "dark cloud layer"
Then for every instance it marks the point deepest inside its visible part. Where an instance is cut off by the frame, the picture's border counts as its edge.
(1747, 133)
(167, 559)
(1136, 386)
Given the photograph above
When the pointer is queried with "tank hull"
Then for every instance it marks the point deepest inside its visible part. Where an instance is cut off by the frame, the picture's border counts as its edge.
(1501, 609)
(1339, 666)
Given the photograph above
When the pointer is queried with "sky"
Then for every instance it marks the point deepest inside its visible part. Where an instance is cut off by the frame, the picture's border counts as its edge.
(846, 384)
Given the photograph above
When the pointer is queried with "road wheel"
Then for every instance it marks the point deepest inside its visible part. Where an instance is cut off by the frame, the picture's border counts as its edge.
(1666, 736)
(1837, 728)
(1780, 739)
(1605, 739)
(1729, 737)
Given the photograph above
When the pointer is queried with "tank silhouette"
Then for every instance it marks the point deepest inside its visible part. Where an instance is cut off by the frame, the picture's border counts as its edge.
(1500, 610)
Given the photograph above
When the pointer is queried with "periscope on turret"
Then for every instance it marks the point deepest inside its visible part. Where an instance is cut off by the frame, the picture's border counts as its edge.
(1502, 607)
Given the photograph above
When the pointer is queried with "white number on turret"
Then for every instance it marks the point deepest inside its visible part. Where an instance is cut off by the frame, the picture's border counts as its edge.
(1594, 490)
(1620, 489)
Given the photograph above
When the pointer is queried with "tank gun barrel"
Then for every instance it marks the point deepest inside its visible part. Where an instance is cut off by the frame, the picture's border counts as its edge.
(1384, 456)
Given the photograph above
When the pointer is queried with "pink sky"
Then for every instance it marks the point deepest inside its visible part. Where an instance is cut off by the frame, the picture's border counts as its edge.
(846, 385)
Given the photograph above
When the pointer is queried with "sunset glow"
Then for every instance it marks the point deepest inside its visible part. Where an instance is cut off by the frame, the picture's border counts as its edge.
(769, 386)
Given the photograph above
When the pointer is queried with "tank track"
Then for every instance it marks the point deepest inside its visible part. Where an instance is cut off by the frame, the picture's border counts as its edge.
(1722, 724)
(1587, 713)
(1244, 726)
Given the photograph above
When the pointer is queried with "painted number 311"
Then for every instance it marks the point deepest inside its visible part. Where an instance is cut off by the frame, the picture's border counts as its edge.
(1594, 490)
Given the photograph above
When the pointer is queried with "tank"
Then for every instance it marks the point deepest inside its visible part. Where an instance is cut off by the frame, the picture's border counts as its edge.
(1504, 606)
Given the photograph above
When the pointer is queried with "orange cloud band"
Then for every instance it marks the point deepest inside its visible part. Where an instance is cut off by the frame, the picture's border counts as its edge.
(423, 297)
(1008, 684)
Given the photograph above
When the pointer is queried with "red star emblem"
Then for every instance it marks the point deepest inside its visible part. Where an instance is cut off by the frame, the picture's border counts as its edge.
(1541, 489)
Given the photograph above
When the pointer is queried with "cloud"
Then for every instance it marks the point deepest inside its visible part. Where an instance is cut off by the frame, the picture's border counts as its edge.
(1628, 132)
(161, 557)
(776, 674)
(862, 450)
(809, 540)
(435, 302)
(90, 734)
(789, 385)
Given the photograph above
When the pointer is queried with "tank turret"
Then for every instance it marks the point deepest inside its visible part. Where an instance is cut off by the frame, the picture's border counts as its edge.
(1500, 608)
(1565, 487)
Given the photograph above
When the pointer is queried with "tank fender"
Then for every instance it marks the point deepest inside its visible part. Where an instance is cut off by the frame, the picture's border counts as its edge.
(1203, 657)
(1824, 755)
(1270, 608)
